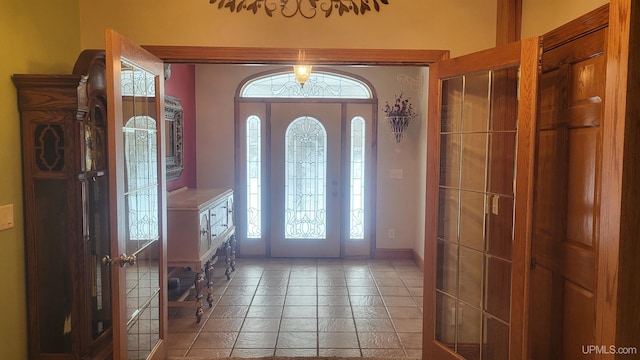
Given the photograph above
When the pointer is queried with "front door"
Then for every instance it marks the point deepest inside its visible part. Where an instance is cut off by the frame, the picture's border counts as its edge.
(137, 200)
(306, 187)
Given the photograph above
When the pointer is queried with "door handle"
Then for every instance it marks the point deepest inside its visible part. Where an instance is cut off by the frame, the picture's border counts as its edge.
(121, 260)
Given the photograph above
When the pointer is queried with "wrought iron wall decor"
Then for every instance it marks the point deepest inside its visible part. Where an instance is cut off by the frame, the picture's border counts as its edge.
(399, 115)
(305, 8)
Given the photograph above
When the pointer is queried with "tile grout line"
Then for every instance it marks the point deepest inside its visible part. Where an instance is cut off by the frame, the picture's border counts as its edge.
(386, 308)
(244, 318)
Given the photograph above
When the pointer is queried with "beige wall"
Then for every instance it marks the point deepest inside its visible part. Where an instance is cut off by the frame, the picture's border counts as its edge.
(541, 16)
(398, 207)
(462, 27)
(39, 36)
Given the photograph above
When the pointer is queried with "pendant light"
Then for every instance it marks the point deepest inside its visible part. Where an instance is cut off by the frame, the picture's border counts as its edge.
(301, 70)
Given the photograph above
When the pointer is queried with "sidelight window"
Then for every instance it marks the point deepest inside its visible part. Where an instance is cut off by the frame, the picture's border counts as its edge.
(254, 178)
(356, 204)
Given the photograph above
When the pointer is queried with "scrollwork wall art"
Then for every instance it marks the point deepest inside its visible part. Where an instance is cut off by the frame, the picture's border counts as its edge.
(305, 8)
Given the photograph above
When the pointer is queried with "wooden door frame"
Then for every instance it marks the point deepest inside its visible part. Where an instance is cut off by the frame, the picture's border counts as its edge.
(618, 292)
(289, 56)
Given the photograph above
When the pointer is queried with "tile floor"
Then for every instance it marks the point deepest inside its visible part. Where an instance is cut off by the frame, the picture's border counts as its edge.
(306, 307)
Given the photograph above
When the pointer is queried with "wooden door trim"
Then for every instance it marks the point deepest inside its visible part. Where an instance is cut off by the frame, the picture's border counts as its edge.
(523, 193)
(288, 56)
(618, 292)
(429, 346)
(584, 25)
(118, 280)
(509, 55)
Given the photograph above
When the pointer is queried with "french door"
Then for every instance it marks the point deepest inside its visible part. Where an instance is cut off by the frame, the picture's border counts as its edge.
(478, 197)
(137, 200)
(306, 182)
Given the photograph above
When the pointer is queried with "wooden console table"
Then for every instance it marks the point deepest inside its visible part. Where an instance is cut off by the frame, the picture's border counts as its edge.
(200, 228)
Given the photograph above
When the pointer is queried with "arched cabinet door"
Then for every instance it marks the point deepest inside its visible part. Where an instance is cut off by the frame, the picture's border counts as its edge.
(137, 199)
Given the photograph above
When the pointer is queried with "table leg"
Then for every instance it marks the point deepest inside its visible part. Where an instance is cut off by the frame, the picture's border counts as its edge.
(227, 259)
(209, 274)
(199, 284)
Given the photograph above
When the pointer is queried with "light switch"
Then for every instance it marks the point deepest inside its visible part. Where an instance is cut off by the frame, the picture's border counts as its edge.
(494, 204)
(6, 217)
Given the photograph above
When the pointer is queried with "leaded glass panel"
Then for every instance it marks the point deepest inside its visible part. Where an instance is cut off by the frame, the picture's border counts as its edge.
(357, 178)
(305, 179)
(254, 178)
(319, 85)
(141, 178)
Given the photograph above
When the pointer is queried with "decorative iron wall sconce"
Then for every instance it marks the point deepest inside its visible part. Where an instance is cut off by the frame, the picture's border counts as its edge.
(399, 115)
(398, 125)
(305, 8)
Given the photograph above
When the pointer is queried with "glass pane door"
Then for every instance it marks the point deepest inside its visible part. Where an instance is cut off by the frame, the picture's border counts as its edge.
(474, 262)
(474, 301)
(305, 180)
(137, 254)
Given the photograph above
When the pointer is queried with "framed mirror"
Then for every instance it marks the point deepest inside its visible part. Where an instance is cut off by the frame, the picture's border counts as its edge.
(173, 116)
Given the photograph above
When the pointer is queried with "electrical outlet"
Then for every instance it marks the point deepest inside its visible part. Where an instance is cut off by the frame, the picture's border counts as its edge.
(396, 174)
(392, 233)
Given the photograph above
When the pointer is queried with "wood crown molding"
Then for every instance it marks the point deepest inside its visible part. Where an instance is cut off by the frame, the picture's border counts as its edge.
(288, 56)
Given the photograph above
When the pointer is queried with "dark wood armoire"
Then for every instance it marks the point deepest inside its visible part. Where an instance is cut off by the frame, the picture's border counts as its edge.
(66, 203)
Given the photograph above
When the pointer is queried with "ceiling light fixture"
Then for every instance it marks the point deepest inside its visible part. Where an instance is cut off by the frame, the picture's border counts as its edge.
(305, 8)
(302, 70)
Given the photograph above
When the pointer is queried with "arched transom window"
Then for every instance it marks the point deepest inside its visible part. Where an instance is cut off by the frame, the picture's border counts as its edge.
(320, 85)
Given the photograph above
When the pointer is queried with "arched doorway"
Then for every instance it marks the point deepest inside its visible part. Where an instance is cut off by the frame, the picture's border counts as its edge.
(306, 157)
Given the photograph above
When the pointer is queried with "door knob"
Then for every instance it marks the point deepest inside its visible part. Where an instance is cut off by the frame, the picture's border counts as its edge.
(121, 260)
